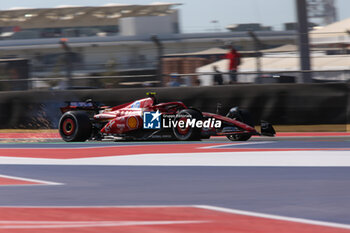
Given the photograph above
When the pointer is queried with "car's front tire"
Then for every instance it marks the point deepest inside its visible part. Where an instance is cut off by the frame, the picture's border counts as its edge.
(244, 117)
(75, 126)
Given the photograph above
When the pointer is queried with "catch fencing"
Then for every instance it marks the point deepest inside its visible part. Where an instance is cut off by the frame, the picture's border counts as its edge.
(280, 104)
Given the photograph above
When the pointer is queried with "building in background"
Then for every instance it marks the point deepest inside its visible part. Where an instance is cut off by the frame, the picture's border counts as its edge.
(248, 27)
(330, 50)
(294, 26)
(323, 11)
(69, 21)
(118, 34)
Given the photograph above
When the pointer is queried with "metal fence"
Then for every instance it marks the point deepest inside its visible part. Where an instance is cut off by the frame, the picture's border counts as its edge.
(151, 80)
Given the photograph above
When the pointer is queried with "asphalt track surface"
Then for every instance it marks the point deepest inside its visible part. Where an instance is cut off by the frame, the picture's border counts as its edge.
(303, 177)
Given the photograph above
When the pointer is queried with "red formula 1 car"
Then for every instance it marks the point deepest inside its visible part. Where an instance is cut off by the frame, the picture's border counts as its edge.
(145, 119)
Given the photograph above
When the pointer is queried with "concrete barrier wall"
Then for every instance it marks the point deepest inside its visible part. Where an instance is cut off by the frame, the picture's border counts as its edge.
(280, 104)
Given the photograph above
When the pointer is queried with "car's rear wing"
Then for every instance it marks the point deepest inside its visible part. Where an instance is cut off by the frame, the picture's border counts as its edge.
(87, 105)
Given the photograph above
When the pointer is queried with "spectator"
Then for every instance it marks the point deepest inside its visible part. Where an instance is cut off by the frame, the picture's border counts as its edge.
(187, 80)
(217, 76)
(235, 61)
(174, 81)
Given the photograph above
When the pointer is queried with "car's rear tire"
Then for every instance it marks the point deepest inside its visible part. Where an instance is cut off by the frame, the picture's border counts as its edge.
(187, 133)
(242, 116)
(75, 126)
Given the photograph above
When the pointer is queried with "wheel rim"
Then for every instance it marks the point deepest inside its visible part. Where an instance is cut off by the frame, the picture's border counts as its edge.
(235, 137)
(68, 127)
(184, 130)
(238, 137)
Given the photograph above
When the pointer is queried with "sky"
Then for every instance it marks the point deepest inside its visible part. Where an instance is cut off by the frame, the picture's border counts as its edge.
(204, 15)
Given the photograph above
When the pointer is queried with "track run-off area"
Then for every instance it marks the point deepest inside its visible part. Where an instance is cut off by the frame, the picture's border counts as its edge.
(295, 182)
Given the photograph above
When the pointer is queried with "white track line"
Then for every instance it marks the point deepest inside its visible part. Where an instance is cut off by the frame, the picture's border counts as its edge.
(259, 159)
(81, 224)
(275, 217)
(231, 145)
(207, 207)
(39, 182)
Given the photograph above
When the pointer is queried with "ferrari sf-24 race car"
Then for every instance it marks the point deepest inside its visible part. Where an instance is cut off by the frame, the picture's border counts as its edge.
(145, 119)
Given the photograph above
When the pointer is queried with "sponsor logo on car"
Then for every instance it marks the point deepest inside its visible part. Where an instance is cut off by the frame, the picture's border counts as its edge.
(136, 104)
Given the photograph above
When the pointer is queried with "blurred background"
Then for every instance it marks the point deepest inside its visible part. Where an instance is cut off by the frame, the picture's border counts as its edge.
(97, 44)
(285, 61)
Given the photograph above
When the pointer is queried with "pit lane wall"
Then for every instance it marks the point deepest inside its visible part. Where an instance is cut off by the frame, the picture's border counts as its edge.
(280, 104)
